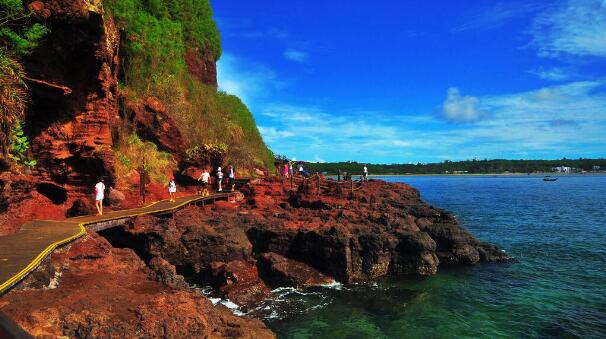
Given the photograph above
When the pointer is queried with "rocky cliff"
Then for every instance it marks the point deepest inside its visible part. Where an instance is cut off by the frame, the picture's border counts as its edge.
(99, 80)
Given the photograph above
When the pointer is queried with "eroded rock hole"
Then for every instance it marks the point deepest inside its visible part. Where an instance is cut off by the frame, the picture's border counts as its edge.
(56, 194)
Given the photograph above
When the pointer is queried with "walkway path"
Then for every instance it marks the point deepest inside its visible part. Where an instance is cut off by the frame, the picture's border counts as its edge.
(22, 253)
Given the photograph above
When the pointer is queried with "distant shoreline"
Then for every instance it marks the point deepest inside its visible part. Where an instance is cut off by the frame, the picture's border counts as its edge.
(479, 174)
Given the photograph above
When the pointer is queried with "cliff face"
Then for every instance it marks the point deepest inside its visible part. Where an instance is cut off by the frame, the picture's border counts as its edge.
(72, 78)
(73, 81)
(94, 83)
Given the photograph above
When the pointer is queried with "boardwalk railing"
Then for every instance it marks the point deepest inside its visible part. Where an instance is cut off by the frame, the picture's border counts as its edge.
(322, 183)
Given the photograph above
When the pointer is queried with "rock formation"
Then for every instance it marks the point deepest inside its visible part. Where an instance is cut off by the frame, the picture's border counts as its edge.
(109, 292)
(281, 237)
(139, 274)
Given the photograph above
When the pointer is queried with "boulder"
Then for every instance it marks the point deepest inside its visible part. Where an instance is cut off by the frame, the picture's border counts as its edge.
(164, 272)
(115, 198)
(239, 282)
(153, 123)
(80, 207)
(278, 271)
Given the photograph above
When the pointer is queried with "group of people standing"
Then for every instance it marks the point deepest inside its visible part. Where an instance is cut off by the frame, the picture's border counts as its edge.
(205, 181)
(287, 170)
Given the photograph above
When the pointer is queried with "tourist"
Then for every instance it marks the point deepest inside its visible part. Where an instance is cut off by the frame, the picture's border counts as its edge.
(302, 171)
(205, 181)
(365, 173)
(99, 196)
(172, 189)
(219, 179)
(285, 171)
(231, 177)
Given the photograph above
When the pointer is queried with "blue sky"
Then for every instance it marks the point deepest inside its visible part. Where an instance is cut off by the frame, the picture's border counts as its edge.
(419, 81)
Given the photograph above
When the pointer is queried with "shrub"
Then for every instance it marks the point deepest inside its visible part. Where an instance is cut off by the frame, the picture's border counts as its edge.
(19, 146)
(13, 98)
(17, 38)
(132, 153)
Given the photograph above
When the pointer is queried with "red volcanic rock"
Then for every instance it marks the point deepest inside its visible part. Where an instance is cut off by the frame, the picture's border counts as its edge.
(80, 207)
(279, 271)
(104, 292)
(153, 123)
(68, 120)
(164, 272)
(239, 282)
(153, 104)
(38, 9)
(290, 237)
(23, 198)
(202, 64)
(36, 6)
(115, 198)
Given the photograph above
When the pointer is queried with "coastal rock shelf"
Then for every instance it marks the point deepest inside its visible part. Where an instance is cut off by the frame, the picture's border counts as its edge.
(276, 236)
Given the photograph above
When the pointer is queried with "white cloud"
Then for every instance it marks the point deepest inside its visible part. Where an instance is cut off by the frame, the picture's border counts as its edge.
(553, 74)
(461, 109)
(271, 133)
(296, 55)
(247, 80)
(495, 15)
(575, 27)
(563, 120)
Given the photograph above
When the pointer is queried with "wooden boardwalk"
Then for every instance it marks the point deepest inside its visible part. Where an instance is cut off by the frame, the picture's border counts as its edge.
(22, 253)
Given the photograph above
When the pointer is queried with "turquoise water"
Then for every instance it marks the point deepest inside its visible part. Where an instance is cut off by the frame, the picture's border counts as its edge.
(558, 290)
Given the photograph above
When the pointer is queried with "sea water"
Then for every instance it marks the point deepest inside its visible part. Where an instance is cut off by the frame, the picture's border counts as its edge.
(557, 231)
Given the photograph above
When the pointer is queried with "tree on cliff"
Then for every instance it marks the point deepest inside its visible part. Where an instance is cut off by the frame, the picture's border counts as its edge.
(18, 36)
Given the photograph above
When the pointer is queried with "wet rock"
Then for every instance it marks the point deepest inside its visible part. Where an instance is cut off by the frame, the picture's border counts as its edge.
(278, 271)
(239, 282)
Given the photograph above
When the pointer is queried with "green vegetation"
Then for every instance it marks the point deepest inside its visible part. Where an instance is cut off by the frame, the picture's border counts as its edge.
(132, 153)
(19, 146)
(468, 166)
(17, 37)
(17, 34)
(158, 34)
(13, 99)
(207, 153)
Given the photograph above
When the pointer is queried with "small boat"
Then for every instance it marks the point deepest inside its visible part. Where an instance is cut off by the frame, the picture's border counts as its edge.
(549, 178)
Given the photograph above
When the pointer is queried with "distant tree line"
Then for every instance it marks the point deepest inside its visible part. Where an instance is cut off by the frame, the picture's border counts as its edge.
(495, 166)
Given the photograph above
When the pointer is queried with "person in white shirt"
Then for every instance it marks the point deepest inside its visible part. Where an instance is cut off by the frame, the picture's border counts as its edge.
(219, 178)
(231, 175)
(172, 189)
(205, 180)
(365, 173)
(99, 196)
